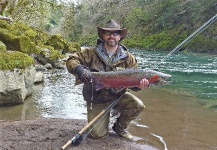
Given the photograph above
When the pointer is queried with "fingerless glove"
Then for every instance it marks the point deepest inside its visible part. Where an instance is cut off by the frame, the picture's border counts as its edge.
(82, 73)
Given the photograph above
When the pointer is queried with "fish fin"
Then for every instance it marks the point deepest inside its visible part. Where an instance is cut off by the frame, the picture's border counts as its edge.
(116, 90)
(99, 86)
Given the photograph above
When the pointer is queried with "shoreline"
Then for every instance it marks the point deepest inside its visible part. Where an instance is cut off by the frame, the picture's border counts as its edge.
(52, 134)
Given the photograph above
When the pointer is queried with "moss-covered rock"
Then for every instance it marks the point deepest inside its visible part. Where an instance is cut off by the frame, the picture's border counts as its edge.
(29, 40)
(49, 55)
(57, 42)
(54, 54)
(31, 34)
(14, 59)
(73, 47)
(19, 43)
(41, 37)
(60, 44)
(19, 29)
(5, 25)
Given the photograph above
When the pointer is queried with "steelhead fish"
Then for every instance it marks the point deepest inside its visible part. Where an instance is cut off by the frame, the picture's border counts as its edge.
(128, 78)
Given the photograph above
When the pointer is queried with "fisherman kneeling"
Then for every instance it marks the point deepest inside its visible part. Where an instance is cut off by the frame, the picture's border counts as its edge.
(108, 55)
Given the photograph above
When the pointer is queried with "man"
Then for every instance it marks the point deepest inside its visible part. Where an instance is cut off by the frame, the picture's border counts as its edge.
(108, 55)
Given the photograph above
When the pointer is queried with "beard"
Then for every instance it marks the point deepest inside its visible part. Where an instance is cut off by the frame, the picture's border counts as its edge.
(111, 42)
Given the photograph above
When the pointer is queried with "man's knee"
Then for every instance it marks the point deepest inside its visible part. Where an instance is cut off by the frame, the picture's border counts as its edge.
(140, 106)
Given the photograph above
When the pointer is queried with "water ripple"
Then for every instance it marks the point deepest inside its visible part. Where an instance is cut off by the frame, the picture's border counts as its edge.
(190, 71)
(161, 139)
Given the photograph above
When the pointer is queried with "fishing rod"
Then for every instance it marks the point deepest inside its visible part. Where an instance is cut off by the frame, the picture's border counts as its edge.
(189, 38)
(77, 139)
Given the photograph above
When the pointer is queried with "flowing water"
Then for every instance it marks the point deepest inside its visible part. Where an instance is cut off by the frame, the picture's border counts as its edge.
(178, 116)
(193, 74)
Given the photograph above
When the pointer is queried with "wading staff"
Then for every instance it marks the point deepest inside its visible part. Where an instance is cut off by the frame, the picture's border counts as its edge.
(76, 140)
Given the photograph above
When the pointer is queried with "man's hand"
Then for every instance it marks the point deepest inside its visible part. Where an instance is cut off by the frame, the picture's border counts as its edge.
(144, 83)
(82, 73)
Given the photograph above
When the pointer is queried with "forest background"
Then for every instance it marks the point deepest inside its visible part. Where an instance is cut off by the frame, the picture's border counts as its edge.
(151, 24)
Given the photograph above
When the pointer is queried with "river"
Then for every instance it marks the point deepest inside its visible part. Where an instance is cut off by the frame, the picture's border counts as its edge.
(178, 116)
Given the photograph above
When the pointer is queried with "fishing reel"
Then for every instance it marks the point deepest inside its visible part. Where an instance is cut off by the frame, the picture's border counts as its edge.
(77, 140)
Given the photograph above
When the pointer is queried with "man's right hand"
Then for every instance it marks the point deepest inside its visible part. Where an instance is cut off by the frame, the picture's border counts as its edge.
(82, 73)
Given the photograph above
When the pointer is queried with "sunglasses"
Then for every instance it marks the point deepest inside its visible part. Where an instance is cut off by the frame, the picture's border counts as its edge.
(108, 33)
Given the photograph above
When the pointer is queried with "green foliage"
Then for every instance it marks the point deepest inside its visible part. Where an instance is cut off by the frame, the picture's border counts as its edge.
(136, 20)
(5, 25)
(19, 28)
(41, 37)
(165, 40)
(89, 41)
(202, 44)
(155, 25)
(14, 59)
(34, 13)
(48, 26)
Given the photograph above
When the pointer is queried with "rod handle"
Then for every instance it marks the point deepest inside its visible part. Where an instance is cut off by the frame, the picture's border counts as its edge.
(92, 121)
(66, 145)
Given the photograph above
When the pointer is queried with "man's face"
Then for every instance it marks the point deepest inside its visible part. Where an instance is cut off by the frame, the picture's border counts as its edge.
(111, 38)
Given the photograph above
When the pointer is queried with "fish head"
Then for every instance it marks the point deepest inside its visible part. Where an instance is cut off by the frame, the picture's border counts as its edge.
(160, 79)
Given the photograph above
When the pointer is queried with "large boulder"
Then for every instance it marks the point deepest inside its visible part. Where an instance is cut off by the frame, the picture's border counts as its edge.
(48, 55)
(16, 85)
(17, 75)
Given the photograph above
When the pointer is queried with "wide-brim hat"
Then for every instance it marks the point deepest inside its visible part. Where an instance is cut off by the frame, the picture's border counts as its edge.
(112, 25)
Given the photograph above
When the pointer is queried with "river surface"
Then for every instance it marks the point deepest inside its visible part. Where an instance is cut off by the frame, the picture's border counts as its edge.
(178, 116)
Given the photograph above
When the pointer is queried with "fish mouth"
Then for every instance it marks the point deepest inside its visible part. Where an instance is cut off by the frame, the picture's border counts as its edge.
(165, 81)
(160, 79)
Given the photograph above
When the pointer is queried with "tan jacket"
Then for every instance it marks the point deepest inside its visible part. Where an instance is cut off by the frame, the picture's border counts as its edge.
(96, 60)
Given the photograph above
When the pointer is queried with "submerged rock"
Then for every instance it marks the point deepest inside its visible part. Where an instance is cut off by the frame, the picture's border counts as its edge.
(39, 76)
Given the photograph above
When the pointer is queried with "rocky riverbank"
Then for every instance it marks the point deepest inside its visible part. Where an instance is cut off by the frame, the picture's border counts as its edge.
(52, 134)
